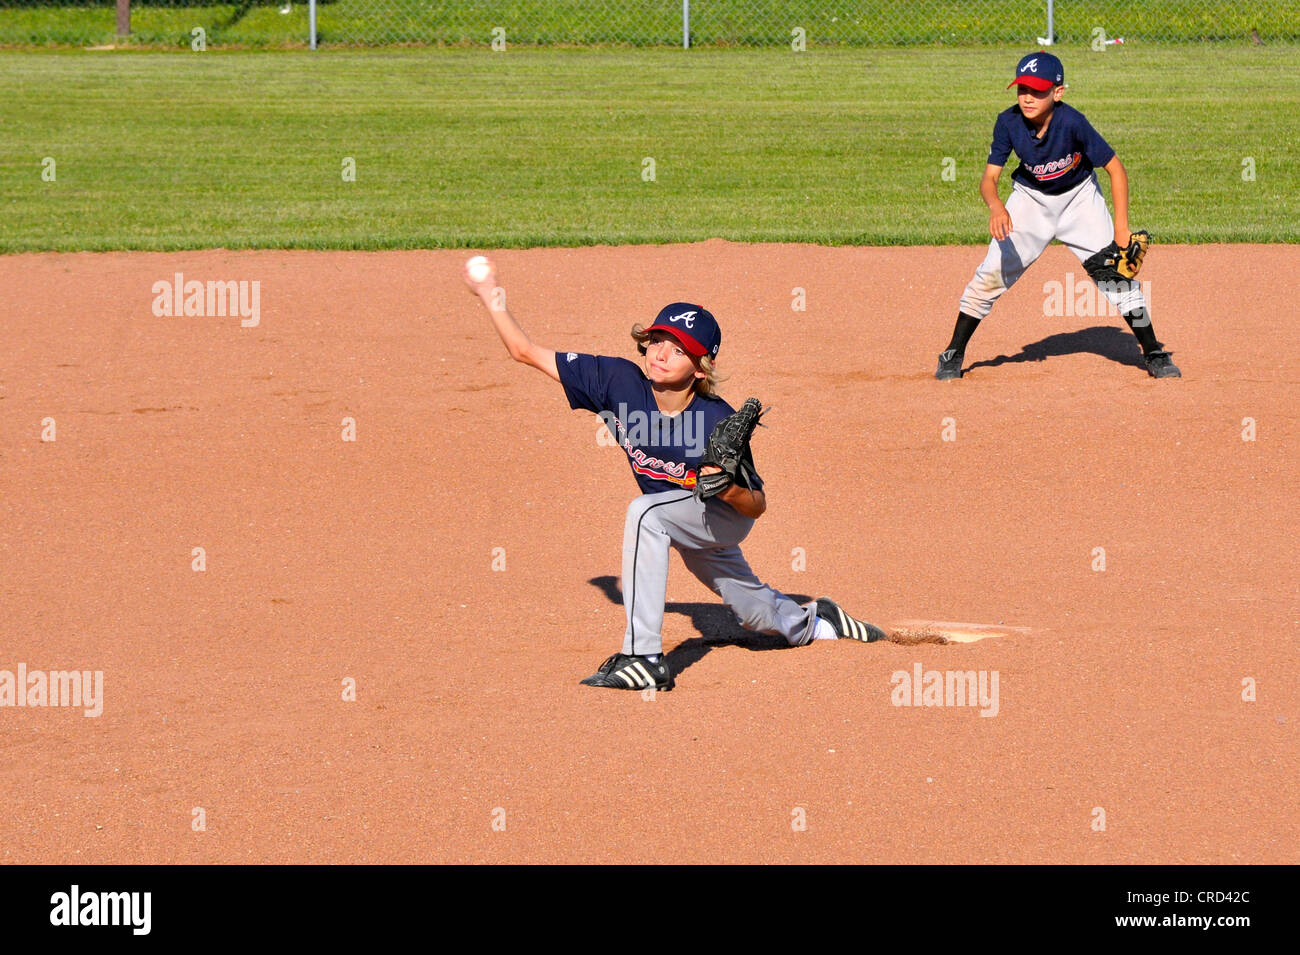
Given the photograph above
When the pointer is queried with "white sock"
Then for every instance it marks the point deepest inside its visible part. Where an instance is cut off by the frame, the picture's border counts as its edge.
(824, 631)
(652, 657)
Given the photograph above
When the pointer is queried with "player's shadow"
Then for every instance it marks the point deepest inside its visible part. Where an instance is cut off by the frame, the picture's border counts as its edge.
(715, 622)
(1118, 345)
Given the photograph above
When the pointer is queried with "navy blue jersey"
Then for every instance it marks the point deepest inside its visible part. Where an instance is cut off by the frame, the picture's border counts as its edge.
(664, 451)
(1063, 158)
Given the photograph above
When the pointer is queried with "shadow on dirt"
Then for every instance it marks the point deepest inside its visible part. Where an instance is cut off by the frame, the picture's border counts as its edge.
(1117, 344)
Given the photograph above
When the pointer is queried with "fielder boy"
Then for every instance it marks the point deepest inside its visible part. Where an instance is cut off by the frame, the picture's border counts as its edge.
(1055, 195)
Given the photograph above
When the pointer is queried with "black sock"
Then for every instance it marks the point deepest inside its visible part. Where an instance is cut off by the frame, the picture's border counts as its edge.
(965, 328)
(1140, 322)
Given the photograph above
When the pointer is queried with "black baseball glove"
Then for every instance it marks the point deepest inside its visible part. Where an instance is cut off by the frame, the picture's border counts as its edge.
(728, 449)
(1119, 265)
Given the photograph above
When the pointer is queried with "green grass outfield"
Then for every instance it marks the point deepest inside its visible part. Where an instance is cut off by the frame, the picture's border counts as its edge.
(460, 148)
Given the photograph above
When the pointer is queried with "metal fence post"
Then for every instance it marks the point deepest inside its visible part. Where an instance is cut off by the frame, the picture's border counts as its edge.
(686, 24)
(311, 21)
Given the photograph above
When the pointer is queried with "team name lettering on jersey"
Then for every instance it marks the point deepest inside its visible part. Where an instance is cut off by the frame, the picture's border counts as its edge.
(663, 451)
(1056, 168)
(656, 467)
(684, 430)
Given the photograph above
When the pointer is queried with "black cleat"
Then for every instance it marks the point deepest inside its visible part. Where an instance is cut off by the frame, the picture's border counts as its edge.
(623, 671)
(846, 627)
(1159, 365)
(950, 364)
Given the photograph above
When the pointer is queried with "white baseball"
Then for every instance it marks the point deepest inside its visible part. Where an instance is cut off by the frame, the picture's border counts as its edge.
(479, 268)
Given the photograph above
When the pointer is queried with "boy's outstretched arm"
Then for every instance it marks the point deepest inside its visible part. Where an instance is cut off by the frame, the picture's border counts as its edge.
(1119, 196)
(999, 219)
(519, 345)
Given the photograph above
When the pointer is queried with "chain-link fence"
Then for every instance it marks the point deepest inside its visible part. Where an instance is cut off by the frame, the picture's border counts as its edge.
(711, 23)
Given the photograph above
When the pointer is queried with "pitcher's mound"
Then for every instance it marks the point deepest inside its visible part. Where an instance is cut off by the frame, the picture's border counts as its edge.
(909, 632)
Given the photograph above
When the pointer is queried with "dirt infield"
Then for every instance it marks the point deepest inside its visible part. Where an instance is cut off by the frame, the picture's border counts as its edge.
(459, 562)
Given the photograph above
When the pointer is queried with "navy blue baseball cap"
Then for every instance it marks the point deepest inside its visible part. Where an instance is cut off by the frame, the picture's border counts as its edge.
(1040, 71)
(692, 325)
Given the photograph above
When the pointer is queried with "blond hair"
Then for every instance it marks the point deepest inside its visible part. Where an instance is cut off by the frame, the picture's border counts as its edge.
(706, 386)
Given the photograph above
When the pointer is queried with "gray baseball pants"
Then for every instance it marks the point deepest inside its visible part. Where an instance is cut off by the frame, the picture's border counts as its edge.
(707, 534)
